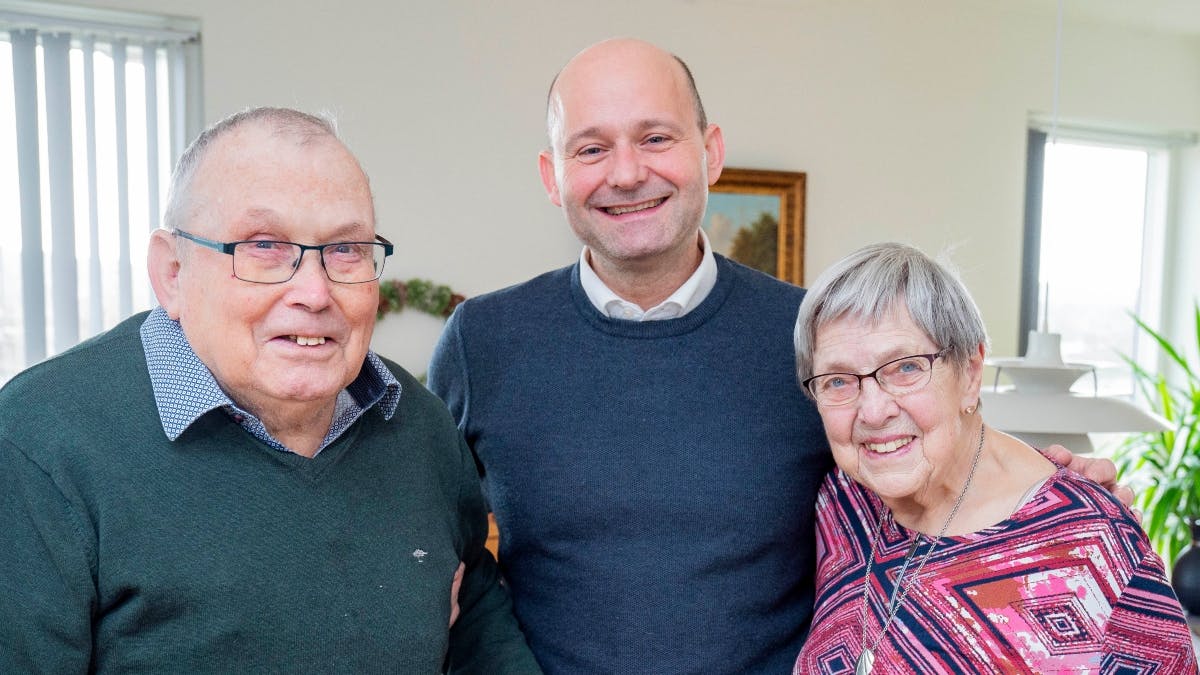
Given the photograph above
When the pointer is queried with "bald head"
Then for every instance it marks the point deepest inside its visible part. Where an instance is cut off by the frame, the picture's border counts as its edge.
(611, 57)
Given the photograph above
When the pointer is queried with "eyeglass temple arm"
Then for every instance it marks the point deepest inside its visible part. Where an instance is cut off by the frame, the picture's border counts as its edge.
(227, 249)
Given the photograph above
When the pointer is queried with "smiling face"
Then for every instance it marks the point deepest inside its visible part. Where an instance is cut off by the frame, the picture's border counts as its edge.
(629, 163)
(272, 345)
(908, 449)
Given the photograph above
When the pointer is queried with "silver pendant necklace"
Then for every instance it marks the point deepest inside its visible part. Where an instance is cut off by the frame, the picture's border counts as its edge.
(866, 660)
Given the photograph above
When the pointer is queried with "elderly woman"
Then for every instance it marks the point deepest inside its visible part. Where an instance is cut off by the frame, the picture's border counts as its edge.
(944, 545)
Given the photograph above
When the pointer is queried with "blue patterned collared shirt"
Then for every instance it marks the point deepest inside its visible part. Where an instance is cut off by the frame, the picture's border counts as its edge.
(185, 389)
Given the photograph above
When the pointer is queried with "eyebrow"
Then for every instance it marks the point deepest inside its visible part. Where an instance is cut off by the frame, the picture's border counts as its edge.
(257, 214)
(886, 357)
(352, 229)
(267, 216)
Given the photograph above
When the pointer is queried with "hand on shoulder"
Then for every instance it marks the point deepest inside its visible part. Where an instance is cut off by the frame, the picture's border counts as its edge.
(1097, 469)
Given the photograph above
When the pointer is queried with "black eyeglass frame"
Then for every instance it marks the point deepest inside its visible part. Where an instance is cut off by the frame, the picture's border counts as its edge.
(228, 248)
(807, 384)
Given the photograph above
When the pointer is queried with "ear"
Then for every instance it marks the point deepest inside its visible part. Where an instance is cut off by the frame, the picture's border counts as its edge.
(714, 152)
(163, 264)
(549, 179)
(972, 378)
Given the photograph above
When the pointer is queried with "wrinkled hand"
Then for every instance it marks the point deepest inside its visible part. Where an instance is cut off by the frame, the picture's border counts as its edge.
(454, 586)
(1096, 469)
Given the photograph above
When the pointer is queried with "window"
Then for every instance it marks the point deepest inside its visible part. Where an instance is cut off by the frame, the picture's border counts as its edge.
(95, 106)
(1094, 251)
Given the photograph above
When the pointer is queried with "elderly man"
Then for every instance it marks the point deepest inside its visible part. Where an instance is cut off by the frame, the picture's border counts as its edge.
(649, 455)
(233, 482)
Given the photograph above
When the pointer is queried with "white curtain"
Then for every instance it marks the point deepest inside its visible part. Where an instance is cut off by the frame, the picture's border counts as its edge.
(99, 106)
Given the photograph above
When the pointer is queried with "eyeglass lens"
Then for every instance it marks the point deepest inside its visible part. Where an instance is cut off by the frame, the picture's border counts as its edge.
(901, 376)
(275, 261)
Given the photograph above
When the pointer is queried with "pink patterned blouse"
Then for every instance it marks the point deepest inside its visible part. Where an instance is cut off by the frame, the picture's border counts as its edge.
(1068, 584)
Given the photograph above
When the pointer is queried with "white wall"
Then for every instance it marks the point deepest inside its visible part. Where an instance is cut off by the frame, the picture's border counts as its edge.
(909, 117)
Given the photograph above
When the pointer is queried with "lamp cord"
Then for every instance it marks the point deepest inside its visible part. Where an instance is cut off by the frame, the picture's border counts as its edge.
(1058, 28)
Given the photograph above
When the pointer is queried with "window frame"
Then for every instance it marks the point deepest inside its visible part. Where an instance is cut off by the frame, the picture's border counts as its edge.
(1159, 222)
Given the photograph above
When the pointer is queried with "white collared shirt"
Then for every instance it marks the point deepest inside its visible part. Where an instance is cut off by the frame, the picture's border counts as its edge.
(685, 298)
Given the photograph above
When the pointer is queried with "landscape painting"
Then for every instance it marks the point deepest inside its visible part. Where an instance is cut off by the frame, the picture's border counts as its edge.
(756, 217)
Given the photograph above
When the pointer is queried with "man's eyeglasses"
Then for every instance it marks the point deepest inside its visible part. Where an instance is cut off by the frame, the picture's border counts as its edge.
(902, 376)
(262, 261)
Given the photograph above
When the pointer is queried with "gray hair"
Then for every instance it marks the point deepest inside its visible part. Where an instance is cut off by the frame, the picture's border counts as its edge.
(302, 126)
(868, 283)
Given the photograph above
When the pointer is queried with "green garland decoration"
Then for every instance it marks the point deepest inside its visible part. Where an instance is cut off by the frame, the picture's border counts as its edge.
(420, 294)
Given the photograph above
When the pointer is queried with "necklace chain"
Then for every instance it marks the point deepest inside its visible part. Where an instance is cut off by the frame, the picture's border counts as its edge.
(900, 591)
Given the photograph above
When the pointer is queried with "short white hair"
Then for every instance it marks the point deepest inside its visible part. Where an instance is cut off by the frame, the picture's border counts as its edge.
(303, 126)
(868, 283)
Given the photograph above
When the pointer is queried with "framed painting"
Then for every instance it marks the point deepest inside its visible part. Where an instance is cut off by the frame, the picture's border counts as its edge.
(757, 218)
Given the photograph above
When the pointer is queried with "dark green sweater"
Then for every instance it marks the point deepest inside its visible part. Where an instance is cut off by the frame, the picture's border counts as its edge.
(121, 551)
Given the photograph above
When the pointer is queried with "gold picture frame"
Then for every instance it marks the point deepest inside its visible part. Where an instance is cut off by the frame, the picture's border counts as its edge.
(757, 215)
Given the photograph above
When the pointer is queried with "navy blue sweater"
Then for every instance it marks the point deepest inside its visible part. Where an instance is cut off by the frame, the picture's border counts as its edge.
(654, 482)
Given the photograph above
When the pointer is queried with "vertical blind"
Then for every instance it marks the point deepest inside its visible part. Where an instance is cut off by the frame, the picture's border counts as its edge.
(95, 107)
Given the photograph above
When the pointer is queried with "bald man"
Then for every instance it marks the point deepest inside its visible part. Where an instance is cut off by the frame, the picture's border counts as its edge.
(649, 456)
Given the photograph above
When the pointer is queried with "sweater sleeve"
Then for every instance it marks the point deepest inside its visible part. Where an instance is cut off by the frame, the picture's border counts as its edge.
(1147, 625)
(485, 638)
(47, 591)
(448, 369)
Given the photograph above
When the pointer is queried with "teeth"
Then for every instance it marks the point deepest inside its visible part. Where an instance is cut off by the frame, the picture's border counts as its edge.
(618, 210)
(890, 446)
(307, 341)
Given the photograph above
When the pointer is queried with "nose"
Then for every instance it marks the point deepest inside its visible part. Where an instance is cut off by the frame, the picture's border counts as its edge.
(626, 170)
(310, 286)
(875, 405)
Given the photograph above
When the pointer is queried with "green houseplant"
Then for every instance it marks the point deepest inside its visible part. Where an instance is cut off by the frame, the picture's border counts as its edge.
(1163, 467)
